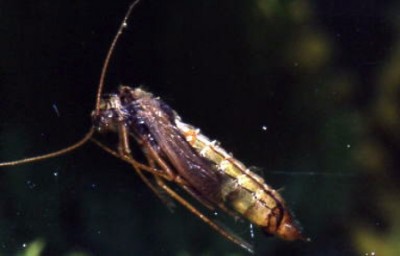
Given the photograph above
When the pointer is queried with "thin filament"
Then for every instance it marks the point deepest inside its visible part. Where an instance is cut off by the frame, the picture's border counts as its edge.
(109, 54)
(53, 154)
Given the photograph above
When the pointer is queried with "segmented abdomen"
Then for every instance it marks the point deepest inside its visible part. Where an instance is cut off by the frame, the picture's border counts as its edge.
(243, 190)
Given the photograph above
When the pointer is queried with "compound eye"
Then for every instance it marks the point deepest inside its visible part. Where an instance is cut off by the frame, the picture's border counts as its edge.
(105, 120)
(98, 122)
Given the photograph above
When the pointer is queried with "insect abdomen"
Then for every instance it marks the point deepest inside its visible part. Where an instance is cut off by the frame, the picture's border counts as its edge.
(246, 192)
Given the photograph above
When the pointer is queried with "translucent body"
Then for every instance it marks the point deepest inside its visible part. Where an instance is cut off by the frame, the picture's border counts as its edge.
(246, 192)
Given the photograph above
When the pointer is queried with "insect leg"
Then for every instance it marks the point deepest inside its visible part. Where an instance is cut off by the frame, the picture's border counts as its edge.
(139, 168)
(182, 184)
(125, 151)
(207, 204)
(159, 177)
(159, 193)
(131, 160)
(225, 233)
(154, 157)
(123, 146)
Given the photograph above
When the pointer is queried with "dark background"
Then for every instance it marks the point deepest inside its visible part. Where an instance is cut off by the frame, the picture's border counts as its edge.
(322, 76)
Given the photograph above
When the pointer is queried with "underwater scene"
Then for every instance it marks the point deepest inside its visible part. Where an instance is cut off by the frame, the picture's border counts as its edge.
(302, 97)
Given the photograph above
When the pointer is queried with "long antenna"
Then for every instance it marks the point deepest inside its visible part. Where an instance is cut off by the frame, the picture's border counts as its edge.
(89, 134)
(110, 52)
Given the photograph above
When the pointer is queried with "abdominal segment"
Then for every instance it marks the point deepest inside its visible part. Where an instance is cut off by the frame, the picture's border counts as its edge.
(195, 162)
(243, 190)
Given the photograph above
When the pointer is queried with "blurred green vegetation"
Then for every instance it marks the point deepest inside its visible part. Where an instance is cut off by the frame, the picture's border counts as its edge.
(35, 248)
(324, 77)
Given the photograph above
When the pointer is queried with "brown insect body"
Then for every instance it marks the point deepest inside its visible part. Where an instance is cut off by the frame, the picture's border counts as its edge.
(244, 190)
(205, 168)
(150, 121)
(179, 153)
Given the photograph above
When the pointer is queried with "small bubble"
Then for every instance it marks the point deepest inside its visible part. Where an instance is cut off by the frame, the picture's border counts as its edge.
(30, 184)
(264, 127)
(93, 185)
(348, 146)
(55, 108)
(24, 245)
(251, 231)
(124, 24)
(55, 174)
(215, 213)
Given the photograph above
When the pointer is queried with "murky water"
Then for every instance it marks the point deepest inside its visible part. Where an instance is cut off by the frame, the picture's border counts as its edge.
(307, 93)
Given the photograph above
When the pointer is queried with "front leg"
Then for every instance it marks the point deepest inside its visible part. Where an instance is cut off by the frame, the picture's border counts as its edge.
(123, 145)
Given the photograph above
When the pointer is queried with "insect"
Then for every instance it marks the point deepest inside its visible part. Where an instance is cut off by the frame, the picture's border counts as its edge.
(178, 153)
